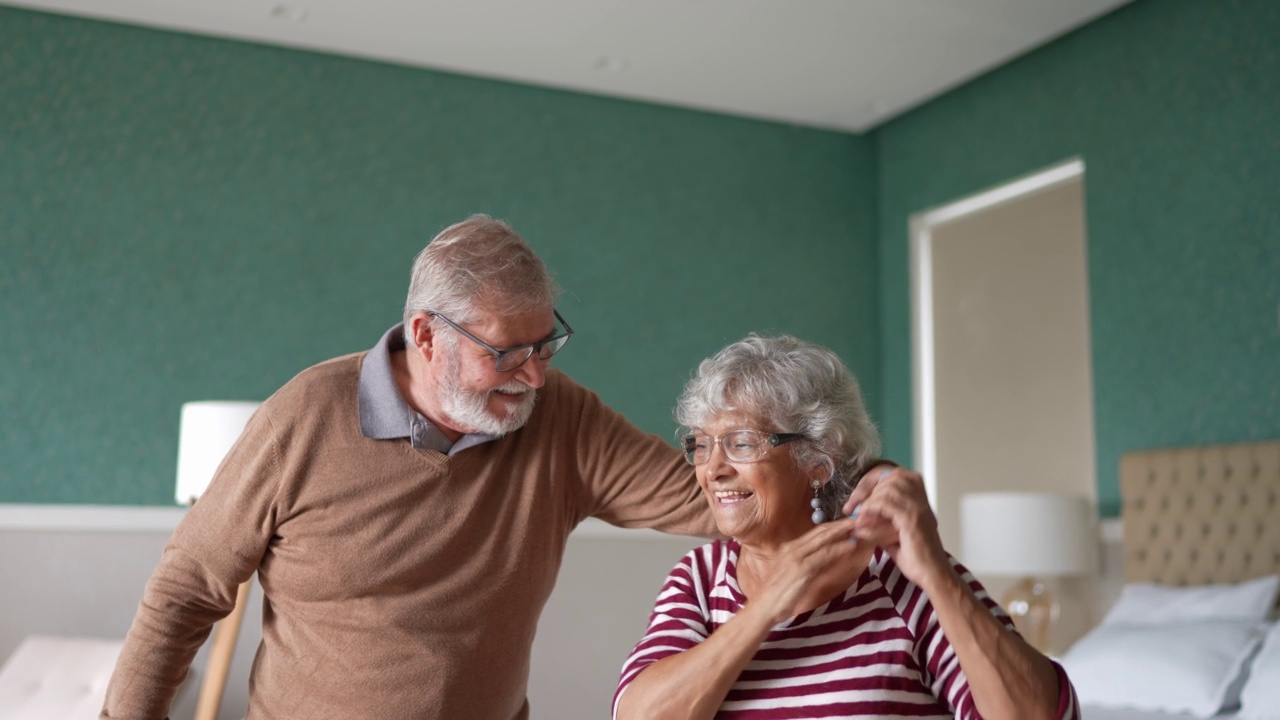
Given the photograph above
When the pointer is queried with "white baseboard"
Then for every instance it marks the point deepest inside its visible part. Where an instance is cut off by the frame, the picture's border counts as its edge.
(90, 518)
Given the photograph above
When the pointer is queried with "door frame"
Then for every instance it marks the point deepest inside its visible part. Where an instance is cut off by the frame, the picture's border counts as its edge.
(921, 227)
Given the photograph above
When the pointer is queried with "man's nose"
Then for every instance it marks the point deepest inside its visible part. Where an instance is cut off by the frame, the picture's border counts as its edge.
(534, 372)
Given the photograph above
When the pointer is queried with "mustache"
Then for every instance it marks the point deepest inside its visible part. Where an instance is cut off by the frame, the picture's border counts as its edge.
(515, 387)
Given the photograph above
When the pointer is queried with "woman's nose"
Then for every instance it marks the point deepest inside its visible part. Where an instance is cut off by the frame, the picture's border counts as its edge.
(716, 463)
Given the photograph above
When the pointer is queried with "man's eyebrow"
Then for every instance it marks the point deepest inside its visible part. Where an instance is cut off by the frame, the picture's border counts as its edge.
(544, 338)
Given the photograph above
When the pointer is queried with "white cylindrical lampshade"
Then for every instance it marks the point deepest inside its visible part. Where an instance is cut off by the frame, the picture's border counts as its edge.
(1027, 534)
(207, 431)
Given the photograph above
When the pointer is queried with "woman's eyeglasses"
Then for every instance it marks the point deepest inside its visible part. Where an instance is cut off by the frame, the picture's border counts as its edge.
(740, 446)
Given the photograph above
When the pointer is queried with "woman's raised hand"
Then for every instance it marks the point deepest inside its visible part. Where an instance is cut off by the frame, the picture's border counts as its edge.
(814, 565)
(893, 513)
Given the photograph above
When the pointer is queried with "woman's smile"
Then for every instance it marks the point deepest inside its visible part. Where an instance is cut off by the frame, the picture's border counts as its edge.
(732, 497)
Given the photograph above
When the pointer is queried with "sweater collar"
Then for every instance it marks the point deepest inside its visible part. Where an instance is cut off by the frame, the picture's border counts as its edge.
(384, 413)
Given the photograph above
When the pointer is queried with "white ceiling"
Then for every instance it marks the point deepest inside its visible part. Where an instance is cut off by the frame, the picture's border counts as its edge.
(840, 64)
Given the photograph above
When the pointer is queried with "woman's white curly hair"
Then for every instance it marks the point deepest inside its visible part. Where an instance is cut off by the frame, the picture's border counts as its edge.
(788, 385)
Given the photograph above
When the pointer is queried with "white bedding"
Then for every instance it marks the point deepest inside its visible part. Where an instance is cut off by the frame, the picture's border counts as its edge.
(1201, 544)
(1097, 713)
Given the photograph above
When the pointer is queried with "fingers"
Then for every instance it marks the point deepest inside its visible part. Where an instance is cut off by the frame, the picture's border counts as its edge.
(825, 534)
(866, 485)
(898, 518)
(817, 550)
(877, 531)
(897, 480)
(891, 501)
(896, 501)
(882, 517)
(824, 552)
(822, 543)
(814, 558)
(874, 478)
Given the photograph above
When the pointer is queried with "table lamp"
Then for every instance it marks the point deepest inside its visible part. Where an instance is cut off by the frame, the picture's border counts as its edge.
(1031, 536)
(206, 432)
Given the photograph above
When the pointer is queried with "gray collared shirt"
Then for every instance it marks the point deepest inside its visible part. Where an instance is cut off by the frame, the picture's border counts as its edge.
(384, 414)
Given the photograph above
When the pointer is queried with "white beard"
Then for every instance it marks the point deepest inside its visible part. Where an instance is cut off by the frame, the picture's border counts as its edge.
(469, 410)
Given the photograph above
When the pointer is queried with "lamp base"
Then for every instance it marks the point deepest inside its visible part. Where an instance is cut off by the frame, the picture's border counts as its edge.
(1034, 611)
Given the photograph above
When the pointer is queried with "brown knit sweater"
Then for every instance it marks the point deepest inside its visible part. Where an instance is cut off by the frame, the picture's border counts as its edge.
(398, 583)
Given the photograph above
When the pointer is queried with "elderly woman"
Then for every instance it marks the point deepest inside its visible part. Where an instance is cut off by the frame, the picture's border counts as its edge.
(796, 617)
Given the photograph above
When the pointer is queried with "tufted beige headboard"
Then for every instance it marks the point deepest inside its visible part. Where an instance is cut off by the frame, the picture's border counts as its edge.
(1201, 515)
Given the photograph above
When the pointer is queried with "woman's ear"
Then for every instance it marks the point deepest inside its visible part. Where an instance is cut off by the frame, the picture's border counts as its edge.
(822, 471)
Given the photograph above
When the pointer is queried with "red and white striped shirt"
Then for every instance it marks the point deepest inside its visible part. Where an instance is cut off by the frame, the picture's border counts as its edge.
(876, 650)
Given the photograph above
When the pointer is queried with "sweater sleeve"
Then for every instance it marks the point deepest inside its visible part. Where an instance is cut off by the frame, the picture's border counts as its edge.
(217, 546)
(679, 620)
(945, 678)
(631, 478)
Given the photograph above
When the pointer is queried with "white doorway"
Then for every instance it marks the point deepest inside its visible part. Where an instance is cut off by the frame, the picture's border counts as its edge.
(1002, 364)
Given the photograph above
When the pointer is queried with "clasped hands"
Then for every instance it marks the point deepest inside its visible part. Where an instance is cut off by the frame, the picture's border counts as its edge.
(890, 509)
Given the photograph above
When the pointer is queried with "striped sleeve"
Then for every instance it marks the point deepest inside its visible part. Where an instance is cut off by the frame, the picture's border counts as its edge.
(1068, 703)
(946, 679)
(680, 618)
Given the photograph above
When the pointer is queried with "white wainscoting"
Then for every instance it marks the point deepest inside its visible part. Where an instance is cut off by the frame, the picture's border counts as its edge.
(80, 570)
(136, 518)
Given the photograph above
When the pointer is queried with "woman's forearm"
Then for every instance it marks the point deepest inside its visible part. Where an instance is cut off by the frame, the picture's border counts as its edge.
(1007, 677)
(693, 684)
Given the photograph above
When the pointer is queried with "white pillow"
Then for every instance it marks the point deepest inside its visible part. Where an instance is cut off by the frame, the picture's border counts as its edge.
(1146, 604)
(1260, 699)
(1182, 667)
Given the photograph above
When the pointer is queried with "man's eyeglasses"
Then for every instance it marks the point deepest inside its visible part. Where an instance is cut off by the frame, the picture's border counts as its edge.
(740, 446)
(512, 358)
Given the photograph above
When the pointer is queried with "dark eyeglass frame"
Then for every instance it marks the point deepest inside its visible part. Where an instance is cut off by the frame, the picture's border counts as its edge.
(688, 444)
(543, 348)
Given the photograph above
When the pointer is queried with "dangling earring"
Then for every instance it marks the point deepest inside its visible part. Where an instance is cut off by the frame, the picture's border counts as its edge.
(818, 517)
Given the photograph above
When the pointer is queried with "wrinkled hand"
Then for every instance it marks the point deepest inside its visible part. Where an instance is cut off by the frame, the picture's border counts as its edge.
(893, 513)
(819, 558)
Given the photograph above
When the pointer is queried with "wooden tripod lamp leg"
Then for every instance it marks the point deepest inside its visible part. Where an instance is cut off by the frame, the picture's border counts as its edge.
(224, 646)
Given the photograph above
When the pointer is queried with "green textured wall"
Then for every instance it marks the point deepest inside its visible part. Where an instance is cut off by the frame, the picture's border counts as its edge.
(1174, 105)
(187, 218)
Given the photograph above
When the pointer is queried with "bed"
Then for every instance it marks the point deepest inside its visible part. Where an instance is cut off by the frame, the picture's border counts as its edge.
(1197, 521)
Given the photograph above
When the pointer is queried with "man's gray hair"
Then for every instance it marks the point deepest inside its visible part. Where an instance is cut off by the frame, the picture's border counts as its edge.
(791, 386)
(479, 264)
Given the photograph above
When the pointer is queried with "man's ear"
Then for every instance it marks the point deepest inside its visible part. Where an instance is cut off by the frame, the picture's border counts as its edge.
(422, 335)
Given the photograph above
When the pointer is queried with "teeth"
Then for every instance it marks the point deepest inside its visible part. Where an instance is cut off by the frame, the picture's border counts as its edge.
(515, 387)
(731, 494)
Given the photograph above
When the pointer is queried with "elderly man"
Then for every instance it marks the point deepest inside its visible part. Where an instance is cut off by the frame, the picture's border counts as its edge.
(406, 508)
